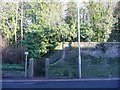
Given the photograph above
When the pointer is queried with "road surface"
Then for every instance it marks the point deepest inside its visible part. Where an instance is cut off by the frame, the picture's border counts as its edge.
(68, 83)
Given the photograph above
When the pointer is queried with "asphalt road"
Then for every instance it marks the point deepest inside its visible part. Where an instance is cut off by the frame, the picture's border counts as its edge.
(75, 83)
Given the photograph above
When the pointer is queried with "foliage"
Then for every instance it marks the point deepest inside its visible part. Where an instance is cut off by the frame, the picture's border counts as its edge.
(114, 37)
(96, 21)
(101, 20)
(86, 32)
(46, 23)
(71, 20)
(7, 21)
(44, 30)
(12, 66)
(41, 41)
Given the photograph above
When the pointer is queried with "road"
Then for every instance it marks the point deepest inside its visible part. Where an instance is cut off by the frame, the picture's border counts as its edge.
(75, 83)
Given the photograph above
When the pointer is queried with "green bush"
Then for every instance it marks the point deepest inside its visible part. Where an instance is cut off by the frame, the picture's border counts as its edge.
(38, 41)
(12, 66)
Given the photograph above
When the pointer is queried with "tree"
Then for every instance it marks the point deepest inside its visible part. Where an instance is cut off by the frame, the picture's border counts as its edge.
(114, 36)
(11, 22)
(101, 19)
(71, 20)
(7, 21)
(45, 27)
(86, 32)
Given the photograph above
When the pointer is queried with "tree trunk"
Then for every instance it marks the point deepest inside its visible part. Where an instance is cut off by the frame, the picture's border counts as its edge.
(16, 24)
(21, 31)
(0, 48)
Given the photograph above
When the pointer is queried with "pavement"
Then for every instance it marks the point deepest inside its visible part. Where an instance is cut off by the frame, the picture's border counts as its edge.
(61, 83)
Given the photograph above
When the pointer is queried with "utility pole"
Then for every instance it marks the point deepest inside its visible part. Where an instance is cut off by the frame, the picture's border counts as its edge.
(79, 53)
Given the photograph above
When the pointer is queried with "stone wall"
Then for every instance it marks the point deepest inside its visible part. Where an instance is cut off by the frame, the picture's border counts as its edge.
(98, 49)
(95, 49)
(110, 49)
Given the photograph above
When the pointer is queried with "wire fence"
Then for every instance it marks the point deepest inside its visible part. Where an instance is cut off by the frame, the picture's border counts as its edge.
(101, 68)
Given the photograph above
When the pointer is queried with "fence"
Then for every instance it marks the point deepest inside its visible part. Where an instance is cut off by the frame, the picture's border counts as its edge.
(101, 68)
(99, 60)
(61, 70)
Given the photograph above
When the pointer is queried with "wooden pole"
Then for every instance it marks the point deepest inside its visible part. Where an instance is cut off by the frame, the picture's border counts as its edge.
(46, 67)
(31, 68)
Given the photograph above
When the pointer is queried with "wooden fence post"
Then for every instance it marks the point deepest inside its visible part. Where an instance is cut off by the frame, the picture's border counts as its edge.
(46, 67)
(31, 68)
